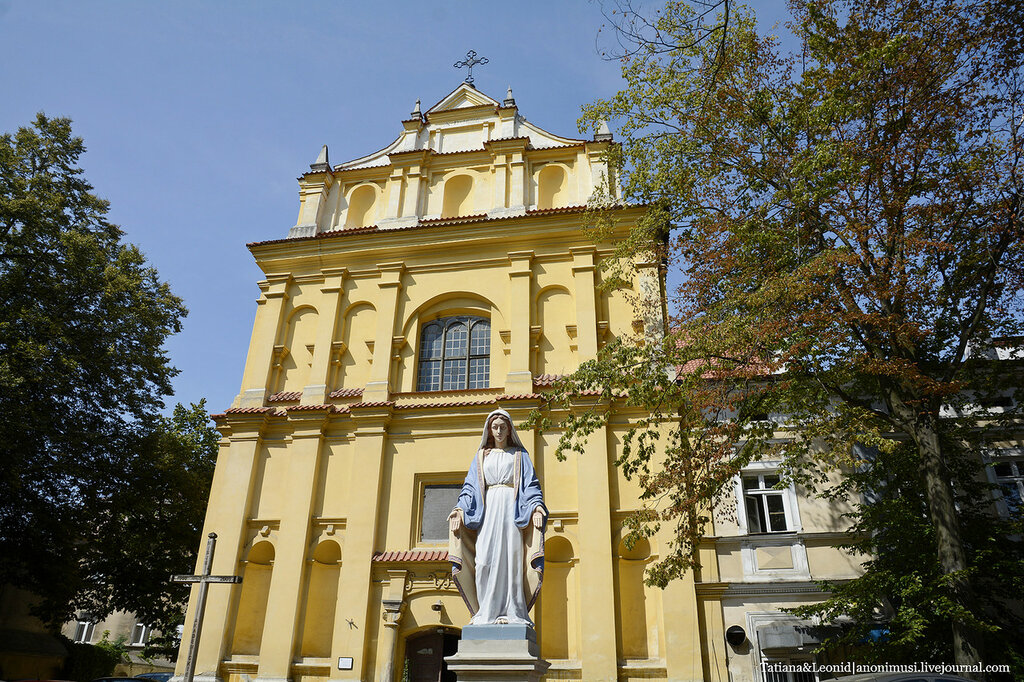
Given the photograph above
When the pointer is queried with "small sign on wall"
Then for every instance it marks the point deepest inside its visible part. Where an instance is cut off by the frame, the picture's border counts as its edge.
(344, 663)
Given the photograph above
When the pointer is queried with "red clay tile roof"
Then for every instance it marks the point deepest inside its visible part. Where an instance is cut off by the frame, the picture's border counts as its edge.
(250, 410)
(413, 555)
(308, 408)
(284, 396)
(452, 403)
(379, 403)
(346, 393)
(546, 379)
(454, 219)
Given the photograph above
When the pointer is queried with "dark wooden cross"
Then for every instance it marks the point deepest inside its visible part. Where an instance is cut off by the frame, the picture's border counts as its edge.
(204, 579)
(470, 61)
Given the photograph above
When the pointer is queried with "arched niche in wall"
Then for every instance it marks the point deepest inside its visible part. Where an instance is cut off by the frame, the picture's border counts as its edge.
(361, 203)
(300, 337)
(321, 600)
(552, 187)
(631, 601)
(557, 605)
(458, 196)
(556, 313)
(251, 613)
(359, 326)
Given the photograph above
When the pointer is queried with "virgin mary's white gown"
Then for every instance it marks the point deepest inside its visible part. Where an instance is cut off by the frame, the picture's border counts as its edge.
(499, 547)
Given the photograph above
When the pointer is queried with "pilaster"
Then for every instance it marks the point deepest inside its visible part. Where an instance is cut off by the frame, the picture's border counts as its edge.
(332, 293)
(230, 498)
(598, 645)
(378, 388)
(313, 191)
(282, 626)
(583, 268)
(394, 607)
(520, 377)
(360, 536)
(265, 331)
(395, 187)
(405, 185)
(509, 166)
(518, 184)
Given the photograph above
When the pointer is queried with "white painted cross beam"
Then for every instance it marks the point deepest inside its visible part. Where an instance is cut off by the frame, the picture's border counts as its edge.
(204, 579)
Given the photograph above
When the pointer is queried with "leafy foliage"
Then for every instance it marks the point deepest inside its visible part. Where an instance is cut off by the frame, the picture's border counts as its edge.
(99, 495)
(844, 226)
(86, 662)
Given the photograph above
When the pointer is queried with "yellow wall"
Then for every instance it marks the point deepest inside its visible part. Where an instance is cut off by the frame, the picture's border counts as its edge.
(327, 447)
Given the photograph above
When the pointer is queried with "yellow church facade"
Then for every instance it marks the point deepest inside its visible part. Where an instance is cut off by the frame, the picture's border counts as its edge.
(423, 286)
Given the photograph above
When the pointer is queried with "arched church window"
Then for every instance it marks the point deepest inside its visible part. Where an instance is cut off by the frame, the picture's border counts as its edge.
(455, 353)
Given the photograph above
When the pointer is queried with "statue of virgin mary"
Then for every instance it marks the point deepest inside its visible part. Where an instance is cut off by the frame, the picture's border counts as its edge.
(496, 531)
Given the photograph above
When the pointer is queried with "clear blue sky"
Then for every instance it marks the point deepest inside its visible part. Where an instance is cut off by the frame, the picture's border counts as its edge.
(199, 116)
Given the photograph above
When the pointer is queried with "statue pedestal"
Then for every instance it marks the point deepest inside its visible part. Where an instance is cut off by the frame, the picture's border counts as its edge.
(498, 653)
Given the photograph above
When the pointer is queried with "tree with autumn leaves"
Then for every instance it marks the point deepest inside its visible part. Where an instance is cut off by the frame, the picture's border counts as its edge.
(840, 217)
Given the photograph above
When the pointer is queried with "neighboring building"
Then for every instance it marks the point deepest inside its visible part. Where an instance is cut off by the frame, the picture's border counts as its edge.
(422, 286)
(119, 624)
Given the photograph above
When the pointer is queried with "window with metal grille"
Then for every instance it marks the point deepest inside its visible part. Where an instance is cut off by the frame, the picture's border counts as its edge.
(455, 353)
(765, 506)
(438, 502)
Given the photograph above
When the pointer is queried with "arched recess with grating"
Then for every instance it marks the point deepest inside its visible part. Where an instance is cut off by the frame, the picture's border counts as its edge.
(361, 204)
(252, 603)
(558, 605)
(458, 196)
(631, 603)
(321, 600)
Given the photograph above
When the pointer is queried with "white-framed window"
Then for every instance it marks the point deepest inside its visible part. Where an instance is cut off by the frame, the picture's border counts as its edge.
(762, 507)
(140, 635)
(765, 505)
(455, 353)
(1009, 476)
(83, 631)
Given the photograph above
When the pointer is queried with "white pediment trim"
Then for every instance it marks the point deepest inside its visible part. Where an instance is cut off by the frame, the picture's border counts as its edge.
(463, 97)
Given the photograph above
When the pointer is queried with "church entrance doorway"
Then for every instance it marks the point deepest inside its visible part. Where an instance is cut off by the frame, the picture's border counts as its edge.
(425, 654)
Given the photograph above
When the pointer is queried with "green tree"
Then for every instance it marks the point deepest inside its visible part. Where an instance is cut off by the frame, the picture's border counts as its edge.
(82, 376)
(844, 223)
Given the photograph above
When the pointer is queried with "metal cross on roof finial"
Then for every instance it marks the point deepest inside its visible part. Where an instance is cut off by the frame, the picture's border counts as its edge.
(470, 61)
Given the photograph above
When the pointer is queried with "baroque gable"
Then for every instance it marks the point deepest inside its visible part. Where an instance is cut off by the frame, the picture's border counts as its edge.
(467, 155)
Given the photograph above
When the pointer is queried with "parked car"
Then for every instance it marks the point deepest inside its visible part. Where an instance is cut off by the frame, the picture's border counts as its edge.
(157, 677)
